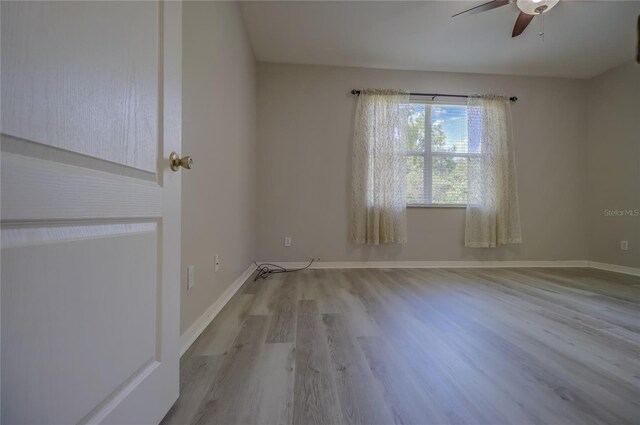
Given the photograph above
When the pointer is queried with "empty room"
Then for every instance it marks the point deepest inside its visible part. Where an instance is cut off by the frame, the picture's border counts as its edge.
(320, 212)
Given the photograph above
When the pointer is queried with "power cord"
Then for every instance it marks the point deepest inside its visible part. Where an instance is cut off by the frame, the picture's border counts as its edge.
(265, 269)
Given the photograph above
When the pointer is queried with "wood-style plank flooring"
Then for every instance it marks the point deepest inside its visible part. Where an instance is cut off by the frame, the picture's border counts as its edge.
(420, 346)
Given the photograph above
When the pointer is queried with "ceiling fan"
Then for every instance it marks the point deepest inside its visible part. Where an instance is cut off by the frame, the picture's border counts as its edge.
(529, 9)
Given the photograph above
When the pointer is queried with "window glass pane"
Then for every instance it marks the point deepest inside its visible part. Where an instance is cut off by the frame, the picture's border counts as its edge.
(415, 179)
(449, 128)
(449, 183)
(415, 133)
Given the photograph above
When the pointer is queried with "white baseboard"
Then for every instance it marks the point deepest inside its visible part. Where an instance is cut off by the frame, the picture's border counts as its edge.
(458, 264)
(430, 264)
(615, 268)
(194, 331)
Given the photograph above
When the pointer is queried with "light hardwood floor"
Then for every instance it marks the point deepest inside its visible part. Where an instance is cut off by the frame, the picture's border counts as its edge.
(420, 346)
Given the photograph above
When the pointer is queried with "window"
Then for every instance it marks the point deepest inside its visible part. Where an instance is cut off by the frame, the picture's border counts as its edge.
(438, 153)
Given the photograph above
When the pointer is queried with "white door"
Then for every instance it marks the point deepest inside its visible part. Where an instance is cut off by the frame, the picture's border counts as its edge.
(90, 211)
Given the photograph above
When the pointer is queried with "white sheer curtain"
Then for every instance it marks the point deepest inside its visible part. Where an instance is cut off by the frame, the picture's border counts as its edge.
(378, 201)
(493, 216)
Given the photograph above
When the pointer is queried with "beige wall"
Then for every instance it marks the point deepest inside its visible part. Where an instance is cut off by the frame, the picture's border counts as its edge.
(219, 121)
(614, 164)
(305, 120)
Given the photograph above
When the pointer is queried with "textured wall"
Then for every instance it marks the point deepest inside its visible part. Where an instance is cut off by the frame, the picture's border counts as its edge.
(219, 123)
(305, 125)
(614, 165)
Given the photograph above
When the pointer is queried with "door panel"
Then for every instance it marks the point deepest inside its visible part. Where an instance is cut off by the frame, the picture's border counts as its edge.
(82, 316)
(90, 211)
(83, 71)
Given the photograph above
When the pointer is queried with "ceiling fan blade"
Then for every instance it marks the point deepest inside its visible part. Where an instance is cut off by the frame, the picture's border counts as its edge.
(485, 6)
(522, 22)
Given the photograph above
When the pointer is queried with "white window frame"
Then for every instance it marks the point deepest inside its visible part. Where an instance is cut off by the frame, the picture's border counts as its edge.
(428, 156)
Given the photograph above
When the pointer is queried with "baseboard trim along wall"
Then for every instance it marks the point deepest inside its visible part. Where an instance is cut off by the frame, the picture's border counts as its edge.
(194, 331)
(430, 264)
(458, 264)
(615, 268)
(190, 335)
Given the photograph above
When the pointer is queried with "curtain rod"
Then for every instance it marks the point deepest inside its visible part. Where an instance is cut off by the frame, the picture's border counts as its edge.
(434, 95)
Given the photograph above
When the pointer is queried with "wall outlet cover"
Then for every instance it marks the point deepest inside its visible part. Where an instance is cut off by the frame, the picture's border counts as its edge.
(287, 241)
(191, 276)
(624, 245)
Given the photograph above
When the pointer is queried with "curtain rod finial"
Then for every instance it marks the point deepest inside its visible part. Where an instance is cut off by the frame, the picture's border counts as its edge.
(354, 91)
(513, 99)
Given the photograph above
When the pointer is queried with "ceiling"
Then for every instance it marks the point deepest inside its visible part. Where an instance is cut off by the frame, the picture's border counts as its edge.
(582, 38)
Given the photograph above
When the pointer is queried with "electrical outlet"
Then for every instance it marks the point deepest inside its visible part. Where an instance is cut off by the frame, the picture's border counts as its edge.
(191, 276)
(216, 263)
(624, 245)
(287, 241)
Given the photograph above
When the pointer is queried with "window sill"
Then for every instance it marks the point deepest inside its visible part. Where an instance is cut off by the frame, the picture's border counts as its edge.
(436, 206)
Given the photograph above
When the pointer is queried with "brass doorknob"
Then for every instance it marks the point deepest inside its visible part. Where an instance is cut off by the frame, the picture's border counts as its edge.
(177, 162)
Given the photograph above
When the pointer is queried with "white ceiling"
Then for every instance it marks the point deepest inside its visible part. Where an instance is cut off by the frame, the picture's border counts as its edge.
(582, 38)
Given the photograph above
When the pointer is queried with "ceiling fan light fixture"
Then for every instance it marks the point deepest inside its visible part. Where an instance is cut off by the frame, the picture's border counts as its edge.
(536, 7)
